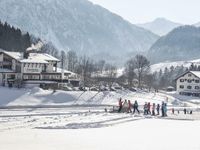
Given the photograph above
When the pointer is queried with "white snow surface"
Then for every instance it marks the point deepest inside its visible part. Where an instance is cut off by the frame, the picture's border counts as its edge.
(88, 127)
(37, 96)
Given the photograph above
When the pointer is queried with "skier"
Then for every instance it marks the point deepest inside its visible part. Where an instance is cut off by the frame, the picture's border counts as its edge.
(165, 109)
(153, 109)
(149, 108)
(135, 107)
(125, 106)
(129, 107)
(145, 108)
(162, 109)
(185, 111)
(120, 105)
(158, 109)
(172, 110)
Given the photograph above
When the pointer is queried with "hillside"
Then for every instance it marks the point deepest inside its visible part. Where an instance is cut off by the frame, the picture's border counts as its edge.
(183, 43)
(160, 26)
(78, 25)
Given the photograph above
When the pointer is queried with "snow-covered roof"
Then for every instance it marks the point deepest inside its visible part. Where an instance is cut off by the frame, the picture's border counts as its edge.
(15, 55)
(196, 73)
(43, 56)
(59, 70)
(33, 57)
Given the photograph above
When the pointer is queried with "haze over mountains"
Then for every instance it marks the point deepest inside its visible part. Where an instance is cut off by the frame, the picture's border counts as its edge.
(78, 25)
(160, 26)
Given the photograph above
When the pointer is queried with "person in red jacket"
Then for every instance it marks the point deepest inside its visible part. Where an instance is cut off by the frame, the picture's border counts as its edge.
(149, 109)
(120, 105)
(129, 107)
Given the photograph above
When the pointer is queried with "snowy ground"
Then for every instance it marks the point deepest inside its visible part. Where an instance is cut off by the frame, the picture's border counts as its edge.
(39, 119)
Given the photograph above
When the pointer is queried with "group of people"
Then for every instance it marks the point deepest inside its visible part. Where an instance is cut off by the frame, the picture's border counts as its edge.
(148, 109)
(128, 107)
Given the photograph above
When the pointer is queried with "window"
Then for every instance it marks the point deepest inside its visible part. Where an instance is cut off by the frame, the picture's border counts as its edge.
(181, 80)
(181, 86)
(189, 87)
(189, 75)
(189, 81)
(196, 87)
(196, 81)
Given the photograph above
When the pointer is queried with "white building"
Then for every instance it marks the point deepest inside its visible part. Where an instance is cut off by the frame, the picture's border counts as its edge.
(34, 68)
(189, 83)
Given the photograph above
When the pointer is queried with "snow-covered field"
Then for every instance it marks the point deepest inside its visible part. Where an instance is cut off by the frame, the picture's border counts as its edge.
(40, 119)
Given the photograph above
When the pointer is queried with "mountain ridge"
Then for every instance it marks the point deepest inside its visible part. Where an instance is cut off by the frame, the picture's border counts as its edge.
(160, 26)
(182, 43)
(78, 25)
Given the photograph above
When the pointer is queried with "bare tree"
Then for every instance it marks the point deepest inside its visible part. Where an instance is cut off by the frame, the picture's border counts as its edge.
(63, 59)
(111, 71)
(142, 66)
(49, 48)
(130, 71)
(72, 60)
(85, 68)
(149, 81)
(100, 65)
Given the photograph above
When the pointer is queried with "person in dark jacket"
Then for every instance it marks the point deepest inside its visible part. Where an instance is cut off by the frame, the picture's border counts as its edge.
(163, 109)
(120, 105)
(135, 107)
(149, 108)
(145, 109)
(158, 109)
(185, 111)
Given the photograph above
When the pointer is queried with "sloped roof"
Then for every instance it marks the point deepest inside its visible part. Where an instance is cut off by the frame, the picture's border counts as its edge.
(33, 57)
(43, 56)
(196, 73)
(15, 55)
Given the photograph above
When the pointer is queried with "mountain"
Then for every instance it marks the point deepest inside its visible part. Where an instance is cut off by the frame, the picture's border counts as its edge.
(78, 25)
(160, 26)
(183, 43)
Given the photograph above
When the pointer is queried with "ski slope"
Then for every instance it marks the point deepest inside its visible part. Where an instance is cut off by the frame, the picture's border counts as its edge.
(42, 119)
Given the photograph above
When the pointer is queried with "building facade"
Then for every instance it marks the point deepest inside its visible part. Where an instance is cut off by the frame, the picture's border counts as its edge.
(34, 68)
(189, 83)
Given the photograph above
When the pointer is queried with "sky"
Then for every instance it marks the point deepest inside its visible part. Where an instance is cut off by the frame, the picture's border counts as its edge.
(141, 11)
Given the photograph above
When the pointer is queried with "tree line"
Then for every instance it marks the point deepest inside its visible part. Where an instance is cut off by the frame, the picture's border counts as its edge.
(12, 39)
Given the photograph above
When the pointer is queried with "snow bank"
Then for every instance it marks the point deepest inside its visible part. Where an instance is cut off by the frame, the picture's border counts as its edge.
(38, 96)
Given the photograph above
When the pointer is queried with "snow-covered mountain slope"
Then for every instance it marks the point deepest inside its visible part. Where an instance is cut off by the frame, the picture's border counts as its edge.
(161, 66)
(160, 26)
(77, 25)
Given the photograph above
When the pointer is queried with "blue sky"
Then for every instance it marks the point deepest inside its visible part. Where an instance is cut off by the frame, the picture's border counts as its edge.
(140, 11)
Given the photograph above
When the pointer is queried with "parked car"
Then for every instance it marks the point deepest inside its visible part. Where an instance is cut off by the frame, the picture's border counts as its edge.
(93, 89)
(112, 89)
(132, 89)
